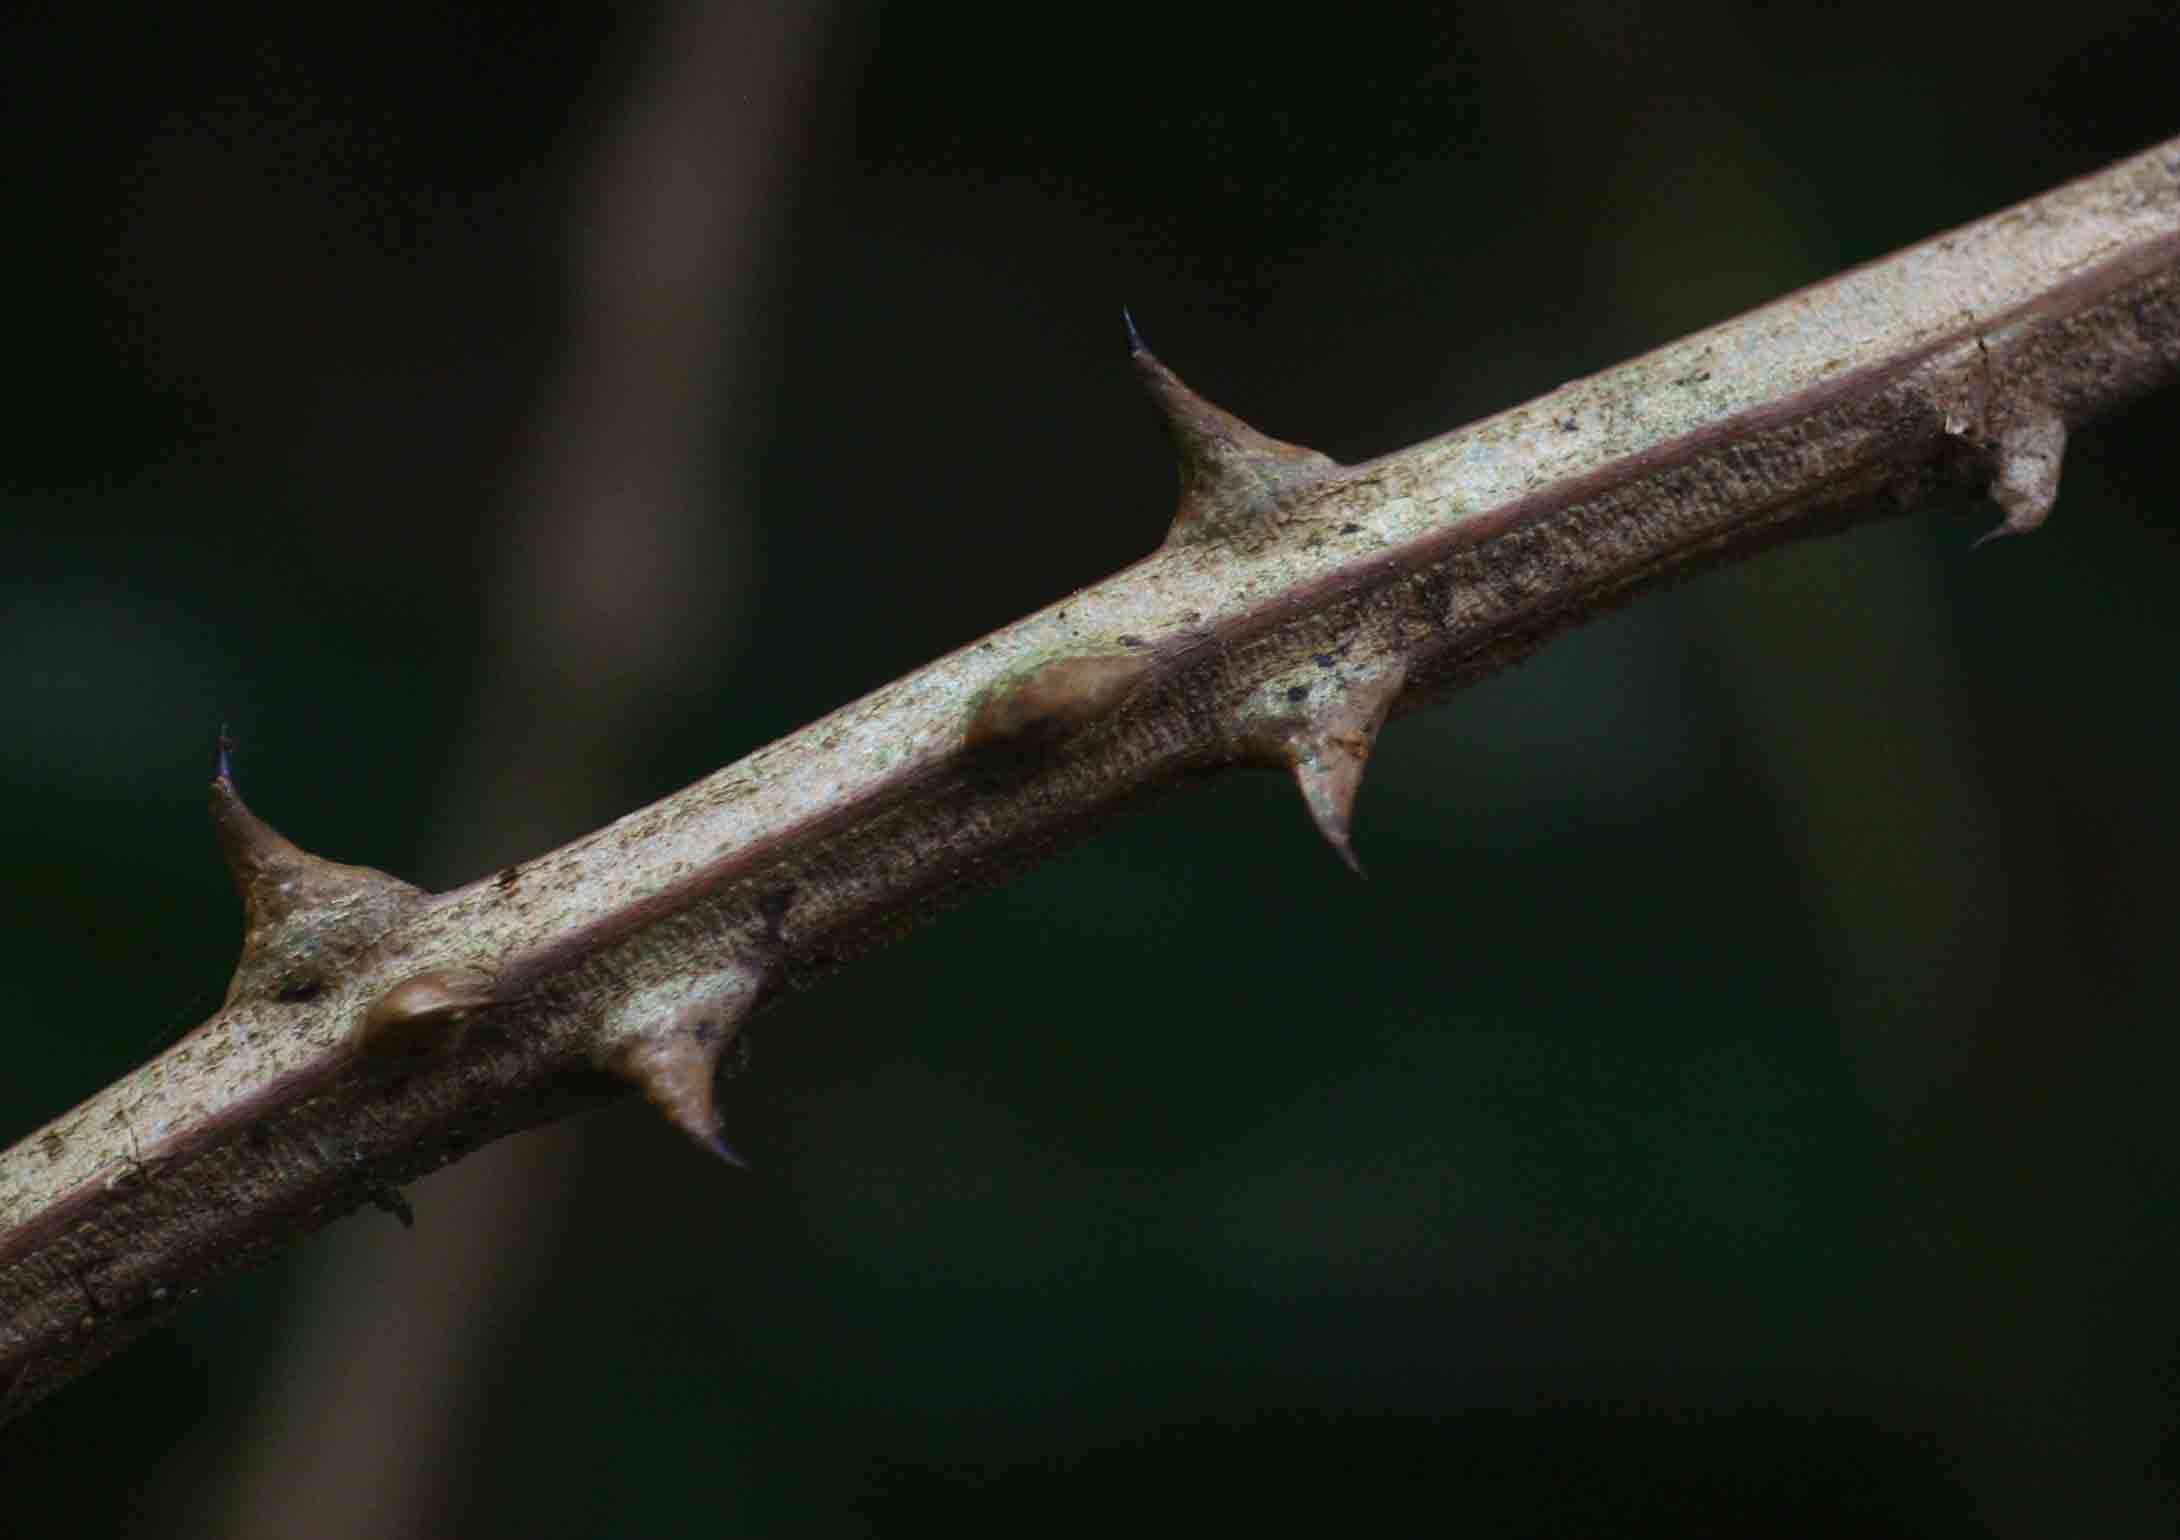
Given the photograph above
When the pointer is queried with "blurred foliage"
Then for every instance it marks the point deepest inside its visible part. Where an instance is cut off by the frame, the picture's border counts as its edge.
(1736, 1097)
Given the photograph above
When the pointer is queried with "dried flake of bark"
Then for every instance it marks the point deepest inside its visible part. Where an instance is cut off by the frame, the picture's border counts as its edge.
(1236, 483)
(1036, 705)
(424, 1013)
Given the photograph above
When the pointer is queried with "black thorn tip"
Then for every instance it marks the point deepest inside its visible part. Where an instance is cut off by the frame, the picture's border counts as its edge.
(1135, 338)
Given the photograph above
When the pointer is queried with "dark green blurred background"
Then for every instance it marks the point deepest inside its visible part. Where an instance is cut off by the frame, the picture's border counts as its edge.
(1739, 1098)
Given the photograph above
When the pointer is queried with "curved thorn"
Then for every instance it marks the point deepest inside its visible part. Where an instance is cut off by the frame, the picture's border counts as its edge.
(300, 913)
(259, 857)
(1135, 338)
(1331, 750)
(675, 1073)
(275, 876)
(1233, 478)
(1329, 783)
(2030, 452)
(668, 1038)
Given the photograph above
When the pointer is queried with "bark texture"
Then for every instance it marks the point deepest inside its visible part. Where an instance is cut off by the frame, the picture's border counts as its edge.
(1296, 605)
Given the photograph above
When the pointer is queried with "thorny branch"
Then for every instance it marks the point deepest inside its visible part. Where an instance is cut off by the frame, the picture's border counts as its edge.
(374, 1032)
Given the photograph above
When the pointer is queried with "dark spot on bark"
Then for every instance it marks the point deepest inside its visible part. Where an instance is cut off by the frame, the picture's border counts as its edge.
(507, 878)
(773, 905)
(53, 1145)
(1350, 529)
(1298, 692)
(1133, 641)
(1322, 660)
(82, 1275)
(297, 991)
(1435, 592)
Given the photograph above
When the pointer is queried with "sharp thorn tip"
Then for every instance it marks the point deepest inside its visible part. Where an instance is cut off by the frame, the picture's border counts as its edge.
(675, 1071)
(1337, 836)
(1135, 338)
